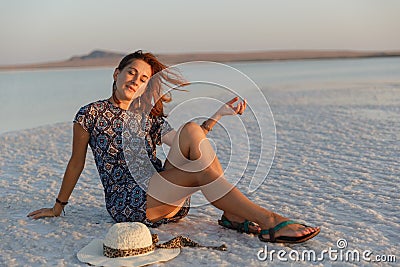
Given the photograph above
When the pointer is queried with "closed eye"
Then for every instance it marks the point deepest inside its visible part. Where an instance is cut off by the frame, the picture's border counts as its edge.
(134, 71)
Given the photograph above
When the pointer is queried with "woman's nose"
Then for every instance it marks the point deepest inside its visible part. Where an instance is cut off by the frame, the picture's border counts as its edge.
(134, 80)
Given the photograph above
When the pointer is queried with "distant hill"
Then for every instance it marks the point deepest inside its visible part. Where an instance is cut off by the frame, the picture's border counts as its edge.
(101, 58)
(97, 54)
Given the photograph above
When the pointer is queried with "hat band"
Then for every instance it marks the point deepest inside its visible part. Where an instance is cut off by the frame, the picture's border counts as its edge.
(116, 253)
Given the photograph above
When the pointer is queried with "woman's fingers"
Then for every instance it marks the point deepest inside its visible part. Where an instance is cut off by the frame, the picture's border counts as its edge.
(45, 212)
(233, 100)
(237, 109)
(242, 106)
(35, 212)
(230, 109)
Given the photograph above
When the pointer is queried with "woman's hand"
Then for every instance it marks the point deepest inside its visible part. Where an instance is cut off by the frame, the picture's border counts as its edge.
(45, 212)
(229, 109)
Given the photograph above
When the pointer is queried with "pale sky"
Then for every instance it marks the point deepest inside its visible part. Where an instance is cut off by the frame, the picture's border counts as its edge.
(47, 30)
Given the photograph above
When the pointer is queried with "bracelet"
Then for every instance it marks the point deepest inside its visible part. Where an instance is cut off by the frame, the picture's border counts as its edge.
(204, 126)
(62, 203)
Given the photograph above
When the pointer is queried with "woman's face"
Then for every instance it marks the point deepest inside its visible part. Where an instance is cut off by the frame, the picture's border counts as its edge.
(132, 80)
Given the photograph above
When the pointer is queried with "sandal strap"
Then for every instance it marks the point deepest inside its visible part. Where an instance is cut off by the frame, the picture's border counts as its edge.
(243, 227)
(283, 224)
(275, 229)
(246, 228)
(225, 221)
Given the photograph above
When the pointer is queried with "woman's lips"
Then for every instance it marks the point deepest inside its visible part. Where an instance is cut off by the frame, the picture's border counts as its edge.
(132, 88)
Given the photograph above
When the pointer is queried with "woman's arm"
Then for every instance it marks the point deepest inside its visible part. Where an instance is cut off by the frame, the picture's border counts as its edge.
(226, 109)
(71, 175)
(168, 138)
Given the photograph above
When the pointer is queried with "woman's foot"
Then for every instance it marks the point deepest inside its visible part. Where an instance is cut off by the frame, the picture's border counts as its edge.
(281, 229)
(238, 223)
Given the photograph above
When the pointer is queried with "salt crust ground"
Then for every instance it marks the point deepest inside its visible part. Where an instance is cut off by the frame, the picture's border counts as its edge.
(336, 166)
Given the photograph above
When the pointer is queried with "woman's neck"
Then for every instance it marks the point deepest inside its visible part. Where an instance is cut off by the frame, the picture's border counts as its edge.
(122, 104)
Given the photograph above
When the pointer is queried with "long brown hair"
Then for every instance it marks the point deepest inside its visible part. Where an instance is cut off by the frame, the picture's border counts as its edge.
(153, 92)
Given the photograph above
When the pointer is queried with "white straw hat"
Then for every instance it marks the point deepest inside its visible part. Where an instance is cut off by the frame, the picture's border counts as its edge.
(126, 244)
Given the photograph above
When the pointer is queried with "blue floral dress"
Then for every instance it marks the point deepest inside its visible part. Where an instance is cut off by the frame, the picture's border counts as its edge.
(124, 149)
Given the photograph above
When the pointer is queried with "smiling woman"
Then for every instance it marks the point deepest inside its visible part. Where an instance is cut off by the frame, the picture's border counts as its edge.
(130, 82)
(146, 191)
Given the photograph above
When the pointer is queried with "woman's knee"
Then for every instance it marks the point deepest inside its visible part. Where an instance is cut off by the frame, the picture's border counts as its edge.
(192, 128)
(190, 136)
(210, 173)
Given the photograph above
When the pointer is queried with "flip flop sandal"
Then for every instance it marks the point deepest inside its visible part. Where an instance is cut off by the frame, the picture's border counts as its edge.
(285, 239)
(243, 227)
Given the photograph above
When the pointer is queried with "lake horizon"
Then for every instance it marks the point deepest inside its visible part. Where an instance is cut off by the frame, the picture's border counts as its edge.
(44, 97)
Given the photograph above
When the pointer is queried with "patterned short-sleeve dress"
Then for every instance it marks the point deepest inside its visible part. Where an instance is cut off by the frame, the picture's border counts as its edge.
(125, 196)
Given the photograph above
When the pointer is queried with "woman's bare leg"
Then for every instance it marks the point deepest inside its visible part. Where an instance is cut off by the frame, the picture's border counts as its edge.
(192, 166)
(185, 155)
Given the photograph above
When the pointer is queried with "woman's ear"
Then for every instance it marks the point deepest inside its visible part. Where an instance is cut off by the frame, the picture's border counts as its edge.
(115, 75)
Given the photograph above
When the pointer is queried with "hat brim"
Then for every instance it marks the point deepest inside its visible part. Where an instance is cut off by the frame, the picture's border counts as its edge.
(93, 254)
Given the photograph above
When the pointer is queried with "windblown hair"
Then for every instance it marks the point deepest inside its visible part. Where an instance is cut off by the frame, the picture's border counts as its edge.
(153, 98)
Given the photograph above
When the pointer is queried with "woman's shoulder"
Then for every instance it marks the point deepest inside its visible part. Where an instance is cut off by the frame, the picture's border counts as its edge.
(98, 105)
(93, 108)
